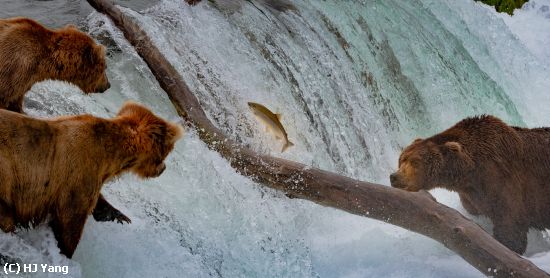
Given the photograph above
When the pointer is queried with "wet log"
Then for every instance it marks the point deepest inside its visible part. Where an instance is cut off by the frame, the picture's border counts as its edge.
(417, 212)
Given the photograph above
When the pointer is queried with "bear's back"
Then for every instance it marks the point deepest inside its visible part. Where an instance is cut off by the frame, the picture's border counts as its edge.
(22, 134)
(14, 28)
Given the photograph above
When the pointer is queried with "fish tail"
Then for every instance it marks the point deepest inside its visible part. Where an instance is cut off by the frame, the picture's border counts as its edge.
(287, 145)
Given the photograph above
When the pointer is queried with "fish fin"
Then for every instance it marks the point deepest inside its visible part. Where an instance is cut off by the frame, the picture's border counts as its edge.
(279, 117)
(277, 137)
(287, 145)
(266, 129)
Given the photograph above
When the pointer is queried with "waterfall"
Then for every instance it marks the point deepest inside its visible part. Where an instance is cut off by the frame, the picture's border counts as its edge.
(355, 81)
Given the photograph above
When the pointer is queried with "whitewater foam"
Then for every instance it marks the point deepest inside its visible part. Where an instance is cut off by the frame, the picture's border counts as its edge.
(355, 84)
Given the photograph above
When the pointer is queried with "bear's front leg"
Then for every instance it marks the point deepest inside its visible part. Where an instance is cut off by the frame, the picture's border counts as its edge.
(468, 205)
(68, 230)
(511, 234)
(104, 212)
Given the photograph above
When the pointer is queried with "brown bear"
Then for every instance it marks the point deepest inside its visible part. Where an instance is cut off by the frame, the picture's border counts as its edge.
(55, 168)
(498, 170)
(30, 53)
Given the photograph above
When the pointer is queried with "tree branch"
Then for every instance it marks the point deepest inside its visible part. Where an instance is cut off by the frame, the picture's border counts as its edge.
(417, 212)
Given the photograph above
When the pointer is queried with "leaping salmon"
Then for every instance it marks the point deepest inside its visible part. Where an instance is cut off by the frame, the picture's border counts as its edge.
(272, 122)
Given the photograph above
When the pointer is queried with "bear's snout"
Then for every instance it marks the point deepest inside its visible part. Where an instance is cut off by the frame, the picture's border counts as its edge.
(105, 87)
(160, 169)
(397, 181)
(394, 178)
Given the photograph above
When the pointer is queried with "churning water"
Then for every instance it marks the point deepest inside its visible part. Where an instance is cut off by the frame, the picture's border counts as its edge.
(355, 81)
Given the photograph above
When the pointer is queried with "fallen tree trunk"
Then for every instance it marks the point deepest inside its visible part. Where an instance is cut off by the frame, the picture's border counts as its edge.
(417, 212)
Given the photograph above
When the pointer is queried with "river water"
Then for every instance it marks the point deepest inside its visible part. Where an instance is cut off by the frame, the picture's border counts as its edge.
(355, 81)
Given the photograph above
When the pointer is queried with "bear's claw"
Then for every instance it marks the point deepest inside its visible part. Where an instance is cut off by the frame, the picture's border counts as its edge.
(112, 214)
(123, 218)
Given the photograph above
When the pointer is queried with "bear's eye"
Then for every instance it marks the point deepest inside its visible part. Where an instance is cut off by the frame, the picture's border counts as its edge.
(402, 160)
(128, 164)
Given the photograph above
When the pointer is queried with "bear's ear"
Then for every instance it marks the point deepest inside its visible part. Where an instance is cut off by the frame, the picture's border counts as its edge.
(71, 26)
(454, 146)
(155, 126)
(130, 107)
(88, 55)
(417, 140)
(174, 132)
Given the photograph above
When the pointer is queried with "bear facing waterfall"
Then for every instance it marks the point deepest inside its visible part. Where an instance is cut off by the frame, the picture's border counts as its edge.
(498, 170)
(30, 53)
(57, 167)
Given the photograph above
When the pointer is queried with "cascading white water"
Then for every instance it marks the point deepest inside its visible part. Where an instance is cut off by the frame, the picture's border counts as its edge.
(355, 82)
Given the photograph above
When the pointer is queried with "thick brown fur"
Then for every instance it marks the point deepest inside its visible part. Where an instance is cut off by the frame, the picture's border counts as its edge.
(54, 169)
(499, 171)
(30, 53)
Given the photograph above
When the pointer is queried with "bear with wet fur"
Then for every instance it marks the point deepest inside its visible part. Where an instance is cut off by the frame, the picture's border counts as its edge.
(54, 169)
(498, 170)
(30, 53)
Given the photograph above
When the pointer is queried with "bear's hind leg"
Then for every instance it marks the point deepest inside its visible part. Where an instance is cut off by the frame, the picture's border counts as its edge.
(7, 223)
(104, 212)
